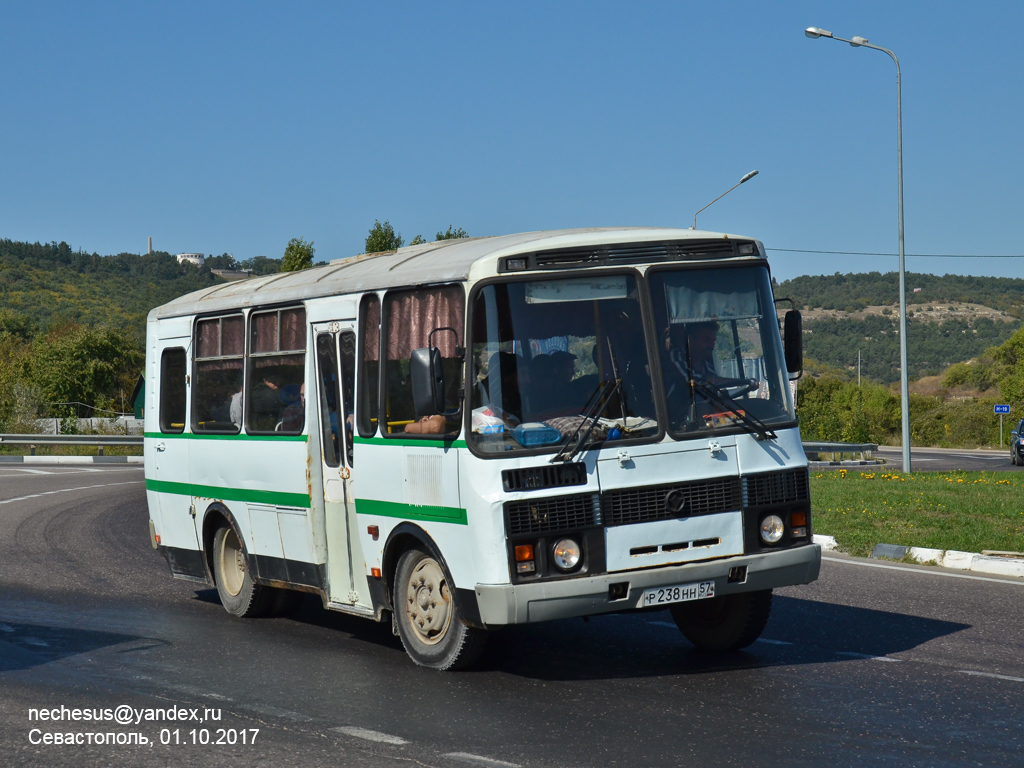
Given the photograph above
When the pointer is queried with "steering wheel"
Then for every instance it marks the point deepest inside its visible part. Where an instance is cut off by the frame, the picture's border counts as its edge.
(736, 387)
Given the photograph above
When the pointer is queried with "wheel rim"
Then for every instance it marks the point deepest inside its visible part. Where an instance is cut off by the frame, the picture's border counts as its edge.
(232, 564)
(428, 602)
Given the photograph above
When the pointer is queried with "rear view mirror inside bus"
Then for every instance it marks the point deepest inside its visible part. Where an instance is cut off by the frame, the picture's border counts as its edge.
(427, 381)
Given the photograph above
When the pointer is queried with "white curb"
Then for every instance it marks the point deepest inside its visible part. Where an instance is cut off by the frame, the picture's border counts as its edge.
(951, 558)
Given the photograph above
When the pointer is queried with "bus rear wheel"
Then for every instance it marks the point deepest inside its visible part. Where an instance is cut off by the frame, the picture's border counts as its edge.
(429, 623)
(239, 594)
(726, 623)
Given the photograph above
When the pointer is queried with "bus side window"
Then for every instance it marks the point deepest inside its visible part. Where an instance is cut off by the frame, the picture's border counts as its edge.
(347, 348)
(275, 393)
(369, 365)
(410, 317)
(172, 390)
(217, 373)
(330, 418)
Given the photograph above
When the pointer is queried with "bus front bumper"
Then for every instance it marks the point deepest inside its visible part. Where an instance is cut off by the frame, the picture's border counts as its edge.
(501, 604)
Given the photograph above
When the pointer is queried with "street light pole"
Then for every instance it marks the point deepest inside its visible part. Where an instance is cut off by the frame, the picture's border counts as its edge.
(745, 179)
(860, 42)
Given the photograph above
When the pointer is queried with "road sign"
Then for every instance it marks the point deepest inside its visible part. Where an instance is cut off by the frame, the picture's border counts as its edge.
(1000, 409)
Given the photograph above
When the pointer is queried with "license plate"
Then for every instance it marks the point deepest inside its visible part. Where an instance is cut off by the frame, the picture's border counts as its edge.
(678, 593)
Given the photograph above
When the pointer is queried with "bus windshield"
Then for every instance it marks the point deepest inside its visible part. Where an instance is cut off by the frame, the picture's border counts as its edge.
(721, 354)
(549, 356)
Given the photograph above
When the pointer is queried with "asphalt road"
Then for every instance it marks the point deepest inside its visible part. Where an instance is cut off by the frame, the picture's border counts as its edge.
(874, 664)
(948, 459)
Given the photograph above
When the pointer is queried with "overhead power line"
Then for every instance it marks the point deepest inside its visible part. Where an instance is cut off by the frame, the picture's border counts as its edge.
(916, 255)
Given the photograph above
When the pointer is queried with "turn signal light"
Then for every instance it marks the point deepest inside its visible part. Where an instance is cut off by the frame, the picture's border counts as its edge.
(798, 518)
(524, 552)
(524, 559)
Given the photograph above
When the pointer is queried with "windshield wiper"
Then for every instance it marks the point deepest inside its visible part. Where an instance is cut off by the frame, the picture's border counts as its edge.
(712, 393)
(595, 407)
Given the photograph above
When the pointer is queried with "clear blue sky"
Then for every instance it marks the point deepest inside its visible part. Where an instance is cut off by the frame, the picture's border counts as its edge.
(233, 127)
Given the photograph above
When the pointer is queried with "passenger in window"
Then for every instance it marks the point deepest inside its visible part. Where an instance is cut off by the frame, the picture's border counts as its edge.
(294, 416)
(266, 400)
(552, 392)
(235, 409)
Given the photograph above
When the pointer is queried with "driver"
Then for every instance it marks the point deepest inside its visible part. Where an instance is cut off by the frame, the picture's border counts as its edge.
(695, 349)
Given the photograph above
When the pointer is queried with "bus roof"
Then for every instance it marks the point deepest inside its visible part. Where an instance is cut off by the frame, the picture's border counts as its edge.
(441, 261)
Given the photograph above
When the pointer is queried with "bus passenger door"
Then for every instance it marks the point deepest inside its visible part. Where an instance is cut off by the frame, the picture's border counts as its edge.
(335, 370)
(167, 448)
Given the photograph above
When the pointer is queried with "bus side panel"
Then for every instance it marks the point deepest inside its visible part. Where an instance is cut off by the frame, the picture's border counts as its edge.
(264, 483)
(411, 481)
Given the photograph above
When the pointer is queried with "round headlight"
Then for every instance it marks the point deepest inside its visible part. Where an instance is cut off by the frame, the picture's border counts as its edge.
(566, 554)
(772, 529)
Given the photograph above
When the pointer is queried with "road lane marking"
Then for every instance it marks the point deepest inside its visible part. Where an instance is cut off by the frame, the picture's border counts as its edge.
(772, 642)
(67, 490)
(918, 570)
(663, 624)
(368, 735)
(992, 674)
(869, 656)
(489, 762)
(34, 471)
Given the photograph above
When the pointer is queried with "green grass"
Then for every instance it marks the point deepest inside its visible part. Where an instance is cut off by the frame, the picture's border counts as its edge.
(967, 511)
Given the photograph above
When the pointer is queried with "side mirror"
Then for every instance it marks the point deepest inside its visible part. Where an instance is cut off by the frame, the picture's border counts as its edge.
(1013, 435)
(793, 338)
(427, 381)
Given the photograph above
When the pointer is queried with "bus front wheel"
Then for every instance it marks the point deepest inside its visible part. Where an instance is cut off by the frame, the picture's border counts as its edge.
(429, 623)
(239, 594)
(726, 623)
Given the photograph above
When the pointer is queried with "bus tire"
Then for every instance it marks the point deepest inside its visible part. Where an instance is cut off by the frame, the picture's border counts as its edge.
(239, 594)
(429, 623)
(726, 623)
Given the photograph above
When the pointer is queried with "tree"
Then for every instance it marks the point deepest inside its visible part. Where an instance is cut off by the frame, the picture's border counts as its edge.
(82, 364)
(261, 265)
(383, 238)
(452, 234)
(418, 240)
(298, 254)
(224, 261)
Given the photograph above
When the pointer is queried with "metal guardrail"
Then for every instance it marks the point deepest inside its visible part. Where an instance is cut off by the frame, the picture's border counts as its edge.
(103, 441)
(862, 450)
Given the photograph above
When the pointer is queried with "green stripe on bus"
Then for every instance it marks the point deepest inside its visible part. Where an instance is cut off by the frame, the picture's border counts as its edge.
(410, 442)
(272, 498)
(455, 515)
(215, 436)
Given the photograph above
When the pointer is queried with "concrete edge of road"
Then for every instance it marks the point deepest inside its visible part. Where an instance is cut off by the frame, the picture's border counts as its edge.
(70, 459)
(947, 558)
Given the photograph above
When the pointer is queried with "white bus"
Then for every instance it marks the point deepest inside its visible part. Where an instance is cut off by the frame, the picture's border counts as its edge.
(466, 434)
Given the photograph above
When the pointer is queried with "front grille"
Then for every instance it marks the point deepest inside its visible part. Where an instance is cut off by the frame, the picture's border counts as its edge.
(555, 513)
(776, 488)
(640, 505)
(548, 476)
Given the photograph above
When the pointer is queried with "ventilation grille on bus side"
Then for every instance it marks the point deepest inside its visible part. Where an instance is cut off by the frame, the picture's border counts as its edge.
(551, 514)
(633, 253)
(641, 505)
(549, 476)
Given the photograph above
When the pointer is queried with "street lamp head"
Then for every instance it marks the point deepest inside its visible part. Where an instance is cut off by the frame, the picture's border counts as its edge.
(748, 177)
(857, 41)
(815, 32)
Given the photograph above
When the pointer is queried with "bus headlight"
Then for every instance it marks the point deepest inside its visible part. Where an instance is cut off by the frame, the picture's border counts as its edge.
(566, 554)
(772, 529)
